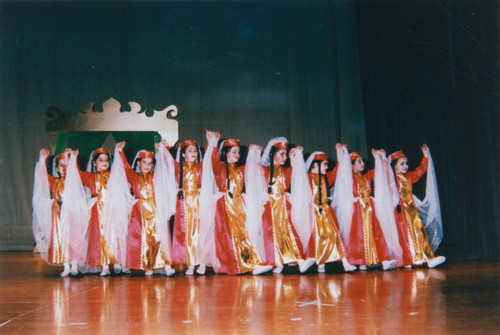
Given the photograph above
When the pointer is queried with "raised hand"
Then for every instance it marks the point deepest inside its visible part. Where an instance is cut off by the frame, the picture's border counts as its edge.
(425, 150)
(120, 145)
(44, 153)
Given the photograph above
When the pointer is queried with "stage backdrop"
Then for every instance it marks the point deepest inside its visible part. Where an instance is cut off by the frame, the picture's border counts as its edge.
(252, 70)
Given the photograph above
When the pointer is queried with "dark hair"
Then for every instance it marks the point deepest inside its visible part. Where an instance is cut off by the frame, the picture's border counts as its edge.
(180, 195)
(223, 158)
(137, 163)
(272, 153)
(316, 161)
(94, 159)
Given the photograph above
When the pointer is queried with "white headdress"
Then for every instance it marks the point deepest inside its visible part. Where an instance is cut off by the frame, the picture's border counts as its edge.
(266, 160)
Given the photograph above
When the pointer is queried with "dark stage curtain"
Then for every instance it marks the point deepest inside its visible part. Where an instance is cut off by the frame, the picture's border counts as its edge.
(249, 69)
(430, 75)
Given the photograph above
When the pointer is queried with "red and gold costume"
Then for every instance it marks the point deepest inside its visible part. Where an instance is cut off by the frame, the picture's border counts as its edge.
(281, 240)
(186, 232)
(234, 250)
(57, 254)
(99, 253)
(143, 242)
(411, 230)
(366, 244)
(326, 244)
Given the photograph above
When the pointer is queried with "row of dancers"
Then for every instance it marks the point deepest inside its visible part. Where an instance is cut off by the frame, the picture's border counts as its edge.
(274, 210)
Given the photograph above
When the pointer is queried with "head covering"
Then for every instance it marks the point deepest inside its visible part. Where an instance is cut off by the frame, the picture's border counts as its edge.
(316, 155)
(278, 142)
(185, 144)
(140, 155)
(354, 155)
(396, 155)
(231, 142)
(94, 155)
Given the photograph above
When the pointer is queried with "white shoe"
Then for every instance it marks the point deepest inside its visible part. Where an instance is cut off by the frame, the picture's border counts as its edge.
(436, 261)
(389, 265)
(201, 269)
(169, 271)
(347, 267)
(126, 270)
(117, 268)
(190, 271)
(260, 269)
(105, 271)
(304, 265)
(363, 268)
(148, 273)
(74, 268)
(65, 273)
(278, 269)
(321, 268)
(408, 267)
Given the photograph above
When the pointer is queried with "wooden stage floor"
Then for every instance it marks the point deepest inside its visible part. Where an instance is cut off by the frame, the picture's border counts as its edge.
(458, 298)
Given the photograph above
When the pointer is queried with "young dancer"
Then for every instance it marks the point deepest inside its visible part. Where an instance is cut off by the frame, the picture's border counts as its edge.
(413, 235)
(186, 248)
(326, 243)
(148, 241)
(96, 179)
(60, 214)
(286, 216)
(356, 213)
(234, 251)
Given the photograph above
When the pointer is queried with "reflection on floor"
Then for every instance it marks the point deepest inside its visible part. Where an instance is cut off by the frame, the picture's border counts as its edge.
(457, 298)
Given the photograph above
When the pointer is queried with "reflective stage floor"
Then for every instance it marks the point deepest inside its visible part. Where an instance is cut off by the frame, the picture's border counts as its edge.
(458, 298)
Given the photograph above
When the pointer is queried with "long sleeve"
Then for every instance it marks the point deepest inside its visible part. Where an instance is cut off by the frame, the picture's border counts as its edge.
(332, 175)
(370, 175)
(415, 175)
(131, 175)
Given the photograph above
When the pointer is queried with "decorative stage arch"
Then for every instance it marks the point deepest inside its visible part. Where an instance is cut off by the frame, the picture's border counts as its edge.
(91, 128)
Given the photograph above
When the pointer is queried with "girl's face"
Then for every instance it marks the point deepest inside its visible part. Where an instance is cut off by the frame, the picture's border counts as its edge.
(401, 165)
(60, 167)
(314, 168)
(145, 165)
(358, 165)
(102, 163)
(324, 167)
(233, 155)
(190, 154)
(280, 158)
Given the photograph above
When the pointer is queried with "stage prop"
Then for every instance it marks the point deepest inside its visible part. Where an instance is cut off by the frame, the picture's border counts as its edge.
(91, 128)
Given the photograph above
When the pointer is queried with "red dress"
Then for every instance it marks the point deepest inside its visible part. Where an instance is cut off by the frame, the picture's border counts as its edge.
(143, 242)
(99, 253)
(281, 240)
(366, 244)
(56, 252)
(234, 251)
(413, 237)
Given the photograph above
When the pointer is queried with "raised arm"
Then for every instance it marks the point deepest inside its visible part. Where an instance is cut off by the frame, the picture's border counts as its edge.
(415, 175)
(131, 175)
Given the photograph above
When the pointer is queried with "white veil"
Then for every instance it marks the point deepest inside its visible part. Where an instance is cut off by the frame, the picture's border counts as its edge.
(301, 199)
(42, 213)
(118, 203)
(385, 199)
(342, 198)
(429, 208)
(165, 187)
(205, 251)
(255, 199)
(75, 214)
